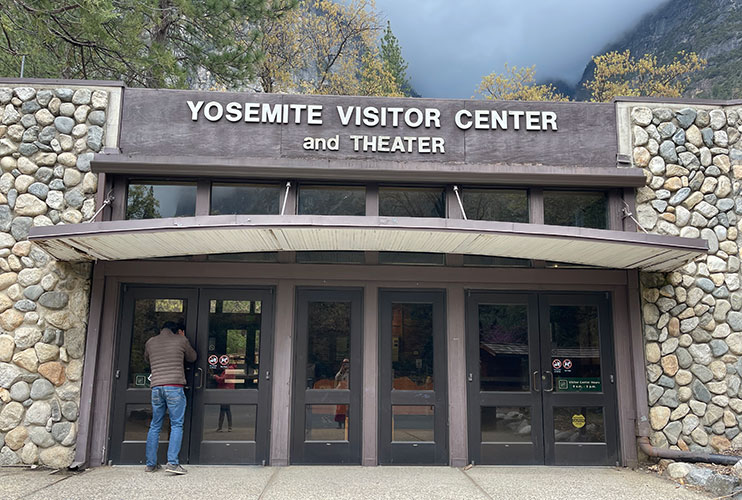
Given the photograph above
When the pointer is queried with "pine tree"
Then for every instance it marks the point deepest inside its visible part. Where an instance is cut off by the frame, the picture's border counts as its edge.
(391, 55)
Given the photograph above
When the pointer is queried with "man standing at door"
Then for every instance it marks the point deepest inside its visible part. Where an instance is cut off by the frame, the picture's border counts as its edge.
(165, 354)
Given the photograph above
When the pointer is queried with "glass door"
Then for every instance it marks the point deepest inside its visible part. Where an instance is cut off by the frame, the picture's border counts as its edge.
(504, 393)
(327, 385)
(228, 387)
(145, 310)
(232, 390)
(541, 379)
(579, 397)
(413, 409)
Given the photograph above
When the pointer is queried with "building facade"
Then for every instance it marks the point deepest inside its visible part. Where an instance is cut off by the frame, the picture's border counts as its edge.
(368, 280)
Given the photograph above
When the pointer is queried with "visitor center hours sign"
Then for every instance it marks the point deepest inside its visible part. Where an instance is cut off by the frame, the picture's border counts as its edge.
(245, 125)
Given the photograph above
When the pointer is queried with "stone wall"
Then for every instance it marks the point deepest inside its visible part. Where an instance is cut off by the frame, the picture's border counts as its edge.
(47, 139)
(693, 317)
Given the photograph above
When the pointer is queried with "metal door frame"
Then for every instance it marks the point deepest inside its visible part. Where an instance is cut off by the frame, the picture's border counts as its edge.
(565, 453)
(327, 452)
(545, 449)
(236, 452)
(121, 451)
(512, 453)
(390, 452)
(197, 297)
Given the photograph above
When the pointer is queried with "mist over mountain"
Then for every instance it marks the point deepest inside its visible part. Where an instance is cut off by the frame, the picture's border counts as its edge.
(712, 28)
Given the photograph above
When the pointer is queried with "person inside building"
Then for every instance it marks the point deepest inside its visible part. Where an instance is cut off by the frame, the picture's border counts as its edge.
(165, 354)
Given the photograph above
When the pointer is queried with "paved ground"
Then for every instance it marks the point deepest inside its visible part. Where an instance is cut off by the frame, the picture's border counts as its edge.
(339, 483)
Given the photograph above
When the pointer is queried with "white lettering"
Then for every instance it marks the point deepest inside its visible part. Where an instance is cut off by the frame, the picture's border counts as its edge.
(251, 112)
(532, 120)
(413, 122)
(314, 114)
(432, 118)
(345, 115)
(194, 109)
(548, 118)
(370, 116)
(215, 116)
(461, 124)
(271, 114)
(234, 112)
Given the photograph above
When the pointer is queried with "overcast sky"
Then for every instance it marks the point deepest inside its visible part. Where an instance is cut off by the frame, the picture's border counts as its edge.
(449, 45)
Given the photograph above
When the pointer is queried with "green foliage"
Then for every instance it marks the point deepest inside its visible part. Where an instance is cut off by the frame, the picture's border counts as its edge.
(142, 203)
(325, 47)
(150, 43)
(391, 55)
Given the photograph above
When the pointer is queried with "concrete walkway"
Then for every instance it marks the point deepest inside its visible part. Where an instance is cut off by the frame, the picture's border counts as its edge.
(339, 483)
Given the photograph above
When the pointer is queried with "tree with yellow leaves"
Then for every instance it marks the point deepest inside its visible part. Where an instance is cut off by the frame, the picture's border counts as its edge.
(620, 74)
(325, 47)
(517, 84)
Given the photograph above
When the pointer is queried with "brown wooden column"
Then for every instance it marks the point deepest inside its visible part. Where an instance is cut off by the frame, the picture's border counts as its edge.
(457, 404)
(370, 403)
(282, 361)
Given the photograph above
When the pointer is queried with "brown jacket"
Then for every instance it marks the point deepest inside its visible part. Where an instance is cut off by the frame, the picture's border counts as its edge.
(165, 354)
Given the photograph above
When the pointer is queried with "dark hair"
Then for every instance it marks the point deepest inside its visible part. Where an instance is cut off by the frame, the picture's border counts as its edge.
(180, 326)
(171, 325)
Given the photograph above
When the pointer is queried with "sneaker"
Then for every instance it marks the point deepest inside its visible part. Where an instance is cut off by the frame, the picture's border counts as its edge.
(152, 468)
(175, 469)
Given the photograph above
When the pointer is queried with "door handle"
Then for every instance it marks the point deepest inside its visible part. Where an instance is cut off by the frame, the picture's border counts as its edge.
(536, 386)
(200, 378)
(551, 382)
(470, 378)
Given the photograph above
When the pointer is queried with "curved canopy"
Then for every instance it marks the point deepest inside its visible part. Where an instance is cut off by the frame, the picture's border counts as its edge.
(143, 239)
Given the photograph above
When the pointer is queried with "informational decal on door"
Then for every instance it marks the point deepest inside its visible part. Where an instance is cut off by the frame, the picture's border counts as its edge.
(213, 360)
(578, 421)
(224, 360)
(570, 384)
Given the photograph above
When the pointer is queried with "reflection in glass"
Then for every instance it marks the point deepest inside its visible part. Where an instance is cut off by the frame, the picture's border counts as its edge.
(579, 424)
(149, 316)
(153, 199)
(506, 424)
(490, 261)
(244, 198)
(234, 344)
(508, 205)
(244, 257)
(575, 348)
(224, 422)
(412, 347)
(332, 257)
(328, 350)
(576, 208)
(332, 200)
(412, 202)
(503, 347)
(326, 423)
(412, 258)
(136, 426)
(413, 423)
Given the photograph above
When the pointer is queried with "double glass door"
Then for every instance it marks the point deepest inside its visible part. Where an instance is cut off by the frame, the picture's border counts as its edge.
(541, 379)
(227, 388)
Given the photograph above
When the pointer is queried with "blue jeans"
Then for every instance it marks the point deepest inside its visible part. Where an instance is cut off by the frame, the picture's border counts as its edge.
(173, 400)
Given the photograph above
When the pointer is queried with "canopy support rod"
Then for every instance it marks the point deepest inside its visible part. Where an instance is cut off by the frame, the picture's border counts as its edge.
(458, 197)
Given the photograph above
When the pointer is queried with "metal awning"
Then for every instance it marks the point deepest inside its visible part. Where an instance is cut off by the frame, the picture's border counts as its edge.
(217, 234)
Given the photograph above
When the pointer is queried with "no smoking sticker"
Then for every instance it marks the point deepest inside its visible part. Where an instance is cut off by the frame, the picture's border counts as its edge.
(556, 364)
(567, 364)
(213, 359)
(224, 360)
